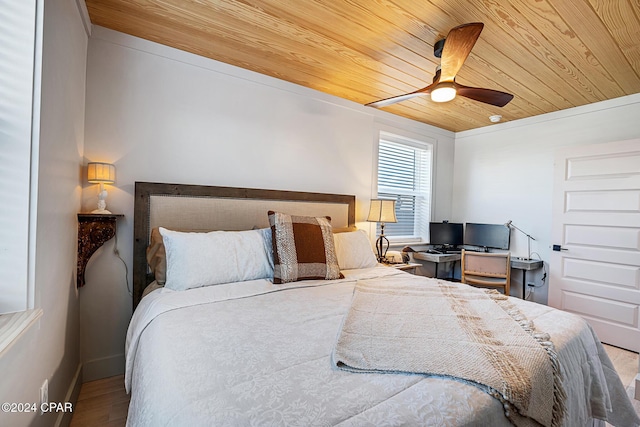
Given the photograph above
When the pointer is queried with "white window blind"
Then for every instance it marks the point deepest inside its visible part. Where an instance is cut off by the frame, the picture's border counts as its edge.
(404, 175)
(17, 62)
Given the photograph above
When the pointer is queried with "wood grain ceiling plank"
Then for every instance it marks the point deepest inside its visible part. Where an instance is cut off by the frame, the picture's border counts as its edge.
(347, 28)
(358, 26)
(562, 75)
(553, 27)
(399, 25)
(585, 23)
(230, 52)
(282, 35)
(276, 62)
(370, 65)
(622, 19)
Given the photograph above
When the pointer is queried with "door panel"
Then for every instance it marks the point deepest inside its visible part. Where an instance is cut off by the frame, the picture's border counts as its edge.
(601, 272)
(600, 309)
(604, 201)
(604, 165)
(596, 221)
(604, 237)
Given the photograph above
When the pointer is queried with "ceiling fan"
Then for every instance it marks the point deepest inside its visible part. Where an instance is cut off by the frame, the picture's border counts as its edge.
(453, 51)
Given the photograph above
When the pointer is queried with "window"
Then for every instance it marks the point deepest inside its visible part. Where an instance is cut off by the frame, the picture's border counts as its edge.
(404, 175)
(17, 85)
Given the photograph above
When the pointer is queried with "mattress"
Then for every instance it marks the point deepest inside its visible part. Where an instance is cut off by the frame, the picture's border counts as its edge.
(255, 353)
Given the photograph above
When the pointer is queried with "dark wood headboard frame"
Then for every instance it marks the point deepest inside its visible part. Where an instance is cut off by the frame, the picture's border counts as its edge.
(145, 190)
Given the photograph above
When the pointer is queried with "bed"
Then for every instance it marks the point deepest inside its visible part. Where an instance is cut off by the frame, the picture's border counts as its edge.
(256, 352)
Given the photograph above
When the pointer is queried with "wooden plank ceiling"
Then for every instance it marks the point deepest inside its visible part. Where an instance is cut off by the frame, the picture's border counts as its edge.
(551, 54)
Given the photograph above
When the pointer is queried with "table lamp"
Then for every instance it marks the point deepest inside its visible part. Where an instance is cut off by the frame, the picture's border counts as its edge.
(101, 173)
(382, 211)
(529, 238)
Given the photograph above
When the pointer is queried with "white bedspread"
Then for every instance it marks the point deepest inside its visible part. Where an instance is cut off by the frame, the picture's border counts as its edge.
(254, 353)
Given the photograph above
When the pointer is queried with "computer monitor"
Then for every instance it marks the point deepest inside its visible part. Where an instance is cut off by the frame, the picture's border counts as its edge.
(495, 236)
(446, 234)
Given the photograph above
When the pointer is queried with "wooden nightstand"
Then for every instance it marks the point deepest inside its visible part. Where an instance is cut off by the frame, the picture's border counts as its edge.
(408, 267)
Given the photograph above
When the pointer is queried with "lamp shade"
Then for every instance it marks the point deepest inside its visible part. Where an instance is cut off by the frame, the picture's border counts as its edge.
(101, 173)
(382, 211)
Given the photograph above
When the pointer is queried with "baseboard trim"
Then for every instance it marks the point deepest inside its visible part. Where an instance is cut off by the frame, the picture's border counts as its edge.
(103, 368)
(64, 418)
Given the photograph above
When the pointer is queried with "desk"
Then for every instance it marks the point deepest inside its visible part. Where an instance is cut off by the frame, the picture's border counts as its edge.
(525, 265)
(516, 262)
(437, 258)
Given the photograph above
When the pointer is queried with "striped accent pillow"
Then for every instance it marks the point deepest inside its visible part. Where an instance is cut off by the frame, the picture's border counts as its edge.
(303, 248)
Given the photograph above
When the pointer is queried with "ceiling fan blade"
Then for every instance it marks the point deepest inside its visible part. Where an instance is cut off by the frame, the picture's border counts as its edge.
(394, 99)
(457, 47)
(488, 96)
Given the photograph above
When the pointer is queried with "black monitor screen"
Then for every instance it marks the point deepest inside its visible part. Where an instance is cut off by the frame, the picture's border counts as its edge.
(494, 236)
(446, 233)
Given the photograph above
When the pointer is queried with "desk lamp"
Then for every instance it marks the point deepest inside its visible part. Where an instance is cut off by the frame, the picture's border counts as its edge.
(382, 211)
(101, 173)
(529, 238)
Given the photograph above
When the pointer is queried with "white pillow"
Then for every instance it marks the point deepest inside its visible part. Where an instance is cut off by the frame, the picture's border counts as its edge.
(203, 259)
(354, 250)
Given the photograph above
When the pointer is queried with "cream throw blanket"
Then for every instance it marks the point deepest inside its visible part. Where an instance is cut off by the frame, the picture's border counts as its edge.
(457, 331)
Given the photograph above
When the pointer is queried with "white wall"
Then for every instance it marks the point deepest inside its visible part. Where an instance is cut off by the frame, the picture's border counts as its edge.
(505, 172)
(163, 115)
(50, 349)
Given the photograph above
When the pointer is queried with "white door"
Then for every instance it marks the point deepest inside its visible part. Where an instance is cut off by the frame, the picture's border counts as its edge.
(595, 265)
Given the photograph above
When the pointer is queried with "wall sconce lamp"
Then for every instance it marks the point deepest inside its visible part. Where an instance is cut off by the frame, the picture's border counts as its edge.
(101, 173)
(529, 238)
(382, 211)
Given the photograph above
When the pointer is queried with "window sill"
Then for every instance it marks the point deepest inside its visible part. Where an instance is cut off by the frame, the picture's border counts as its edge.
(13, 325)
(398, 245)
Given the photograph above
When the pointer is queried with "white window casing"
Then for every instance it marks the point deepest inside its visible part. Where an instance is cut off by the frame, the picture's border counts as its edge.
(404, 174)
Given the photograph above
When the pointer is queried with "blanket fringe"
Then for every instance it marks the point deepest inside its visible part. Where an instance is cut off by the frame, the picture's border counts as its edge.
(544, 339)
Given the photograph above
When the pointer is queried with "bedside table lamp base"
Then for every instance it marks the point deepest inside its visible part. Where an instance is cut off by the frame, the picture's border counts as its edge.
(102, 202)
(382, 246)
(382, 211)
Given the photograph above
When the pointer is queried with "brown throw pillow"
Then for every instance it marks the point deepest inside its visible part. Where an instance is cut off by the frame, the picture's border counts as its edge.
(303, 248)
(157, 256)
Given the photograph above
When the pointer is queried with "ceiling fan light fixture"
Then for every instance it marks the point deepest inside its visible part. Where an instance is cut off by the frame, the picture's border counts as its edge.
(443, 92)
(453, 52)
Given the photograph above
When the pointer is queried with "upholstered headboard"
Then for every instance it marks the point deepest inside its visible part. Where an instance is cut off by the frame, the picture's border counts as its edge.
(199, 207)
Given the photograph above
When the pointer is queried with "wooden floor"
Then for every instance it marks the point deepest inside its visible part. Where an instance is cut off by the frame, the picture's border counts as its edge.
(104, 403)
(626, 363)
